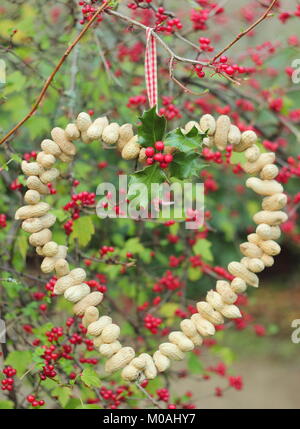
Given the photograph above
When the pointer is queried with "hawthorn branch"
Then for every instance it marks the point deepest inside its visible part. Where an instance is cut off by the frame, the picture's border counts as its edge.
(243, 33)
(158, 38)
(54, 72)
(172, 54)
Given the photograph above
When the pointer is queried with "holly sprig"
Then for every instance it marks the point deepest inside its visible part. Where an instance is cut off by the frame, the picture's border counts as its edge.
(186, 163)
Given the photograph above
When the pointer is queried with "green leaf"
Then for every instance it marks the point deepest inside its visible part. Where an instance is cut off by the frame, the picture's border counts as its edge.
(184, 142)
(168, 309)
(152, 128)
(88, 407)
(90, 378)
(20, 360)
(194, 274)
(37, 125)
(83, 230)
(185, 165)
(203, 248)
(16, 158)
(15, 82)
(147, 176)
(73, 404)
(62, 394)
(194, 364)
(49, 384)
(22, 245)
(132, 245)
(238, 158)
(225, 353)
(6, 405)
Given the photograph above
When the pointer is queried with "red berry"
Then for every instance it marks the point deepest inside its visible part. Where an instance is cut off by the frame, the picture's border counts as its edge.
(163, 165)
(149, 161)
(158, 157)
(229, 70)
(149, 152)
(30, 398)
(168, 158)
(159, 145)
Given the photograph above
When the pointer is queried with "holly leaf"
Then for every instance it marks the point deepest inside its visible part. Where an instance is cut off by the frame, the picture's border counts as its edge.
(184, 142)
(90, 378)
(140, 182)
(152, 128)
(185, 165)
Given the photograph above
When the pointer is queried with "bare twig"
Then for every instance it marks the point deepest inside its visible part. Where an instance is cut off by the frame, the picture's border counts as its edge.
(243, 33)
(158, 38)
(181, 85)
(151, 399)
(173, 55)
(105, 63)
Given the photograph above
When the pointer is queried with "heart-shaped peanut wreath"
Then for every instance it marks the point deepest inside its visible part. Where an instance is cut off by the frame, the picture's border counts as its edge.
(258, 251)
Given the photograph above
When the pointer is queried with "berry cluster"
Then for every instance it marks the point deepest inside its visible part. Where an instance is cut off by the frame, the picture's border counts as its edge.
(199, 17)
(30, 156)
(8, 382)
(136, 101)
(68, 227)
(115, 397)
(83, 199)
(50, 285)
(78, 201)
(169, 26)
(167, 282)
(106, 249)
(87, 11)
(15, 185)
(152, 323)
(163, 395)
(224, 66)
(205, 44)
(35, 402)
(51, 189)
(54, 334)
(133, 53)
(163, 159)
(169, 111)
(48, 372)
(96, 285)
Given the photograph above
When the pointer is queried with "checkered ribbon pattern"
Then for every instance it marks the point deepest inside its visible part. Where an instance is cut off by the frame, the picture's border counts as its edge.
(151, 67)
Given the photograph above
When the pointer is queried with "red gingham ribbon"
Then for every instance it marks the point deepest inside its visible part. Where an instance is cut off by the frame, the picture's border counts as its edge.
(151, 67)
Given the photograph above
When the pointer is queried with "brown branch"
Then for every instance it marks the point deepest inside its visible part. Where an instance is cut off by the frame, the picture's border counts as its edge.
(243, 33)
(174, 79)
(56, 69)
